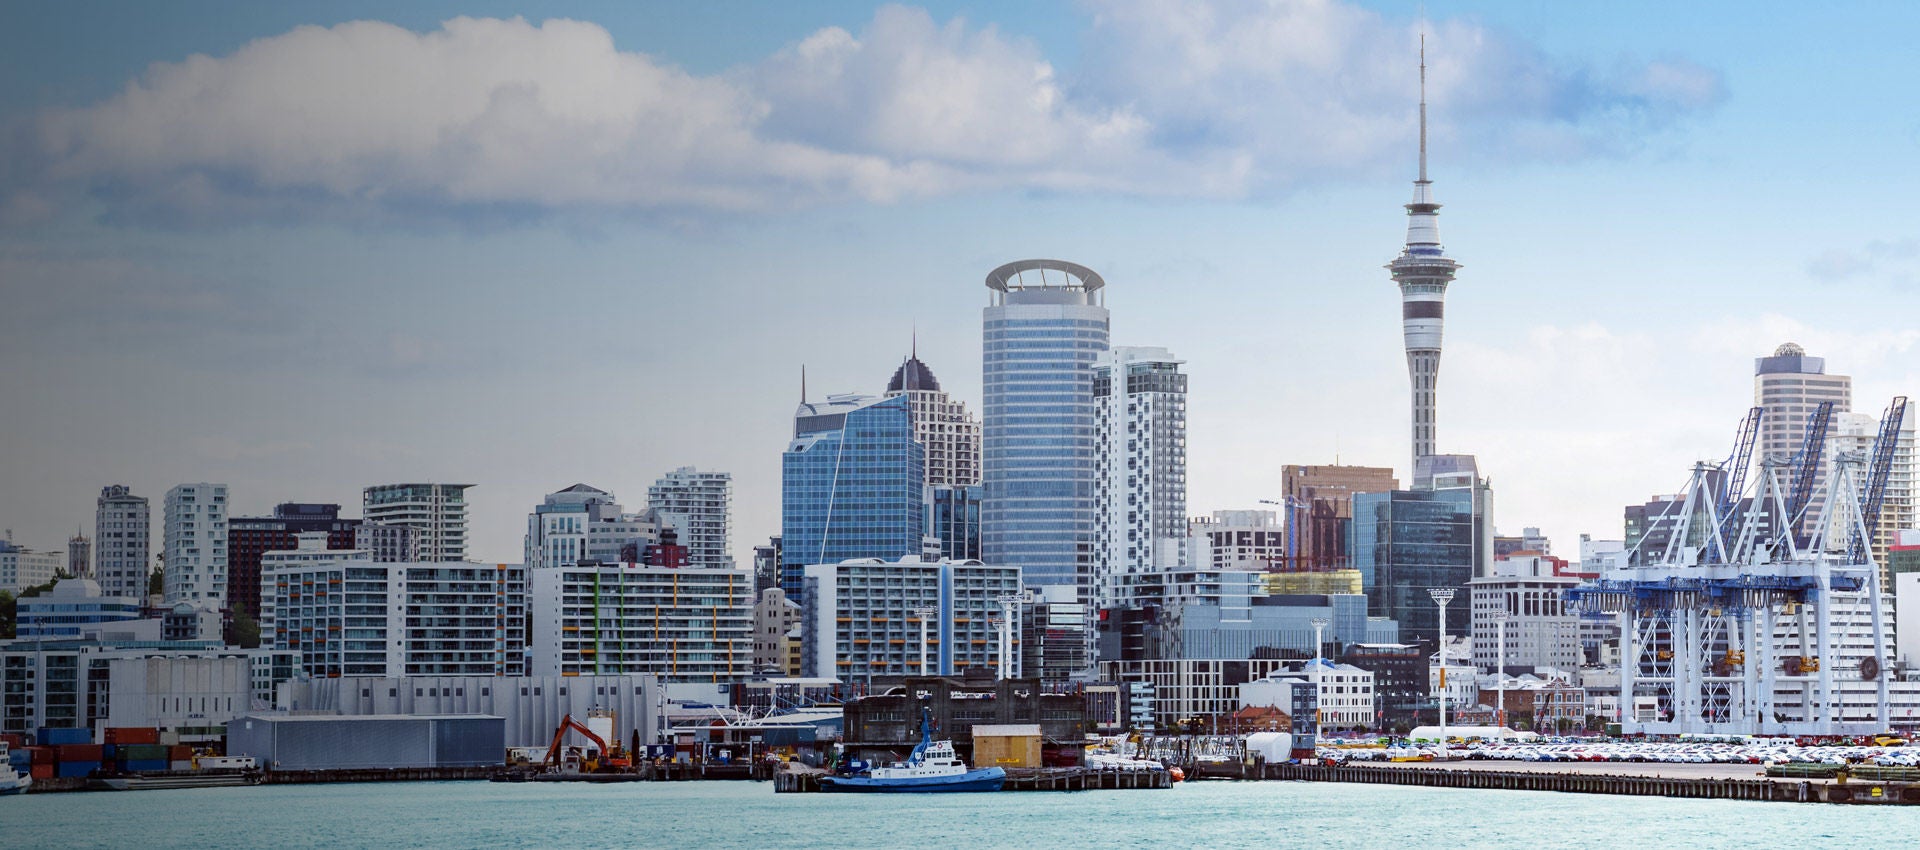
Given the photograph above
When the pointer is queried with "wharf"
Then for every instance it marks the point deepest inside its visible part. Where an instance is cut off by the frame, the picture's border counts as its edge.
(1021, 779)
(1713, 782)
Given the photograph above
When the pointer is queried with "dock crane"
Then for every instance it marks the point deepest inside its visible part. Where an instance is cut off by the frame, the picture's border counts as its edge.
(1879, 469)
(1733, 481)
(1806, 467)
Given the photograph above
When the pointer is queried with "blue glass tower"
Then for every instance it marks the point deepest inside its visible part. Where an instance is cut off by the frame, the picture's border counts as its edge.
(853, 485)
(1407, 541)
(1045, 326)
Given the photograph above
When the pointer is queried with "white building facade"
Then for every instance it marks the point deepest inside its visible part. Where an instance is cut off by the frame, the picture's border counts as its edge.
(21, 567)
(701, 507)
(583, 524)
(682, 625)
(363, 618)
(196, 545)
(862, 617)
(1531, 612)
(437, 513)
(1140, 466)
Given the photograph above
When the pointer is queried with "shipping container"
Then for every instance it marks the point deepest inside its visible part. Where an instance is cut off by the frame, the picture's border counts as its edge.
(19, 759)
(78, 752)
(170, 737)
(76, 768)
(42, 755)
(14, 740)
(132, 735)
(49, 736)
(143, 752)
(180, 752)
(180, 765)
(144, 766)
(43, 771)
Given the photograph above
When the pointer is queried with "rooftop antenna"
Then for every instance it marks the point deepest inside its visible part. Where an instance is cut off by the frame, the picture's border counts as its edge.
(803, 383)
(913, 348)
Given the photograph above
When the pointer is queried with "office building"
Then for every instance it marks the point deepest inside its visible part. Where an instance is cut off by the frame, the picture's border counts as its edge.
(1521, 616)
(1319, 503)
(387, 543)
(1790, 386)
(702, 506)
(363, 618)
(953, 518)
(861, 618)
(121, 524)
(583, 524)
(1140, 465)
(1238, 540)
(436, 512)
(682, 625)
(196, 545)
(852, 485)
(1044, 328)
(1423, 272)
(248, 538)
(776, 628)
(1407, 542)
(950, 434)
(21, 568)
(74, 608)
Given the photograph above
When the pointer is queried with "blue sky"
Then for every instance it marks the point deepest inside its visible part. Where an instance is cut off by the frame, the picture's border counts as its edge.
(525, 255)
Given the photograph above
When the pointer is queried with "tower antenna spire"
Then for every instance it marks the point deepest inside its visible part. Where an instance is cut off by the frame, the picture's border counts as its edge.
(1423, 107)
(803, 383)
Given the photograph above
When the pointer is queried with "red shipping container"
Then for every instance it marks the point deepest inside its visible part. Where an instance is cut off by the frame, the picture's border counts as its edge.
(78, 752)
(42, 771)
(40, 755)
(180, 752)
(14, 741)
(132, 735)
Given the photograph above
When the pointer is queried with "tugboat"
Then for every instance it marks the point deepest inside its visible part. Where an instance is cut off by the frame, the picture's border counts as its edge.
(932, 766)
(11, 782)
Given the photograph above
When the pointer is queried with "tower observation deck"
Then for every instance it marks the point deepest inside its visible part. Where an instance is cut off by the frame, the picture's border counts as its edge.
(1423, 271)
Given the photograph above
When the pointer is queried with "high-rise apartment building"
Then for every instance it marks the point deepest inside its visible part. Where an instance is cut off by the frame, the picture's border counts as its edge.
(584, 524)
(1423, 272)
(1140, 463)
(437, 512)
(248, 538)
(1045, 326)
(386, 543)
(1237, 540)
(121, 524)
(683, 625)
(950, 434)
(863, 617)
(21, 568)
(852, 485)
(361, 618)
(702, 503)
(196, 545)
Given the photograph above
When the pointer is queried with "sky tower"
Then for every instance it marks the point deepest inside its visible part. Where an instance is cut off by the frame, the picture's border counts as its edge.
(1423, 271)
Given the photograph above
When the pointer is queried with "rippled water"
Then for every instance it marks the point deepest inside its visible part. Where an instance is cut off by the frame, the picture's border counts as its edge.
(750, 815)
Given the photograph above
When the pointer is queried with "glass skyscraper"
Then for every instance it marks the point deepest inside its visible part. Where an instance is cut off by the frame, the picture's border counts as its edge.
(853, 485)
(1407, 541)
(1045, 326)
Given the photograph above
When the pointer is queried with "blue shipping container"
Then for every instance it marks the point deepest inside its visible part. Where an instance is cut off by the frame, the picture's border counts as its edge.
(77, 768)
(108, 752)
(144, 766)
(20, 759)
(49, 736)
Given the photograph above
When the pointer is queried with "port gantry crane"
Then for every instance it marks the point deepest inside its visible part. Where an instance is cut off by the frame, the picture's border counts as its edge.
(1879, 469)
(1751, 641)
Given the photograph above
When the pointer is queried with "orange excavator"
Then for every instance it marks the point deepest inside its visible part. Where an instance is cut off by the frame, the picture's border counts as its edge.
(605, 759)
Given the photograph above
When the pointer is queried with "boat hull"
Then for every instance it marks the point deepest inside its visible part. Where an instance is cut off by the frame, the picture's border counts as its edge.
(17, 785)
(984, 779)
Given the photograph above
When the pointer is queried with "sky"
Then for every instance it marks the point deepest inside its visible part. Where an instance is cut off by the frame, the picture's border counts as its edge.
(305, 248)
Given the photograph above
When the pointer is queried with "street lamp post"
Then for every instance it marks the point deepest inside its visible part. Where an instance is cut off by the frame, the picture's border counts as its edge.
(1319, 625)
(1501, 671)
(1441, 596)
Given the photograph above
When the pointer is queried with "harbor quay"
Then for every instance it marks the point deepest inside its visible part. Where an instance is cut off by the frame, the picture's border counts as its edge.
(1697, 781)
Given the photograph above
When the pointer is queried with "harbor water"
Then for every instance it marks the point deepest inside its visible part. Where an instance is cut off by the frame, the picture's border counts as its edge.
(691, 815)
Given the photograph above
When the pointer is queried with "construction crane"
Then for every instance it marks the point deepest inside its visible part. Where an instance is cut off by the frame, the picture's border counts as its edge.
(1806, 467)
(1879, 469)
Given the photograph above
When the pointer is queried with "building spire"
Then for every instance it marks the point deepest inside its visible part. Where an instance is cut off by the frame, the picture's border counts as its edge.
(1423, 107)
(803, 383)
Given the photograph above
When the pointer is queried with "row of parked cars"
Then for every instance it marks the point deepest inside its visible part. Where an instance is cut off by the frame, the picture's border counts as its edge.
(1891, 753)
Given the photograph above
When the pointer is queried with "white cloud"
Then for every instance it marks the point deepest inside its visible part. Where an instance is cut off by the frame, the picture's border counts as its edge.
(1219, 99)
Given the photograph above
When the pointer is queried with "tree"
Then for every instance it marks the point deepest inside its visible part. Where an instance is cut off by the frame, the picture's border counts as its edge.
(9, 610)
(246, 630)
(157, 582)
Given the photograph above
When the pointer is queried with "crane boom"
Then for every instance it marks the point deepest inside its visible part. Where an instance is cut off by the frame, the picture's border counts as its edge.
(1733, 479)
(1881, 468)
(1806, 465)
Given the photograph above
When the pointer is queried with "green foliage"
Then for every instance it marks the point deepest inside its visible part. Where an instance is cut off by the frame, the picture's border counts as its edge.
(245, 630)
(9, 612)
(156, 582)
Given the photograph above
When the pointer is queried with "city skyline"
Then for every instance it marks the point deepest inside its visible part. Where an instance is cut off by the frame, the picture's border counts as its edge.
(1668, 202)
